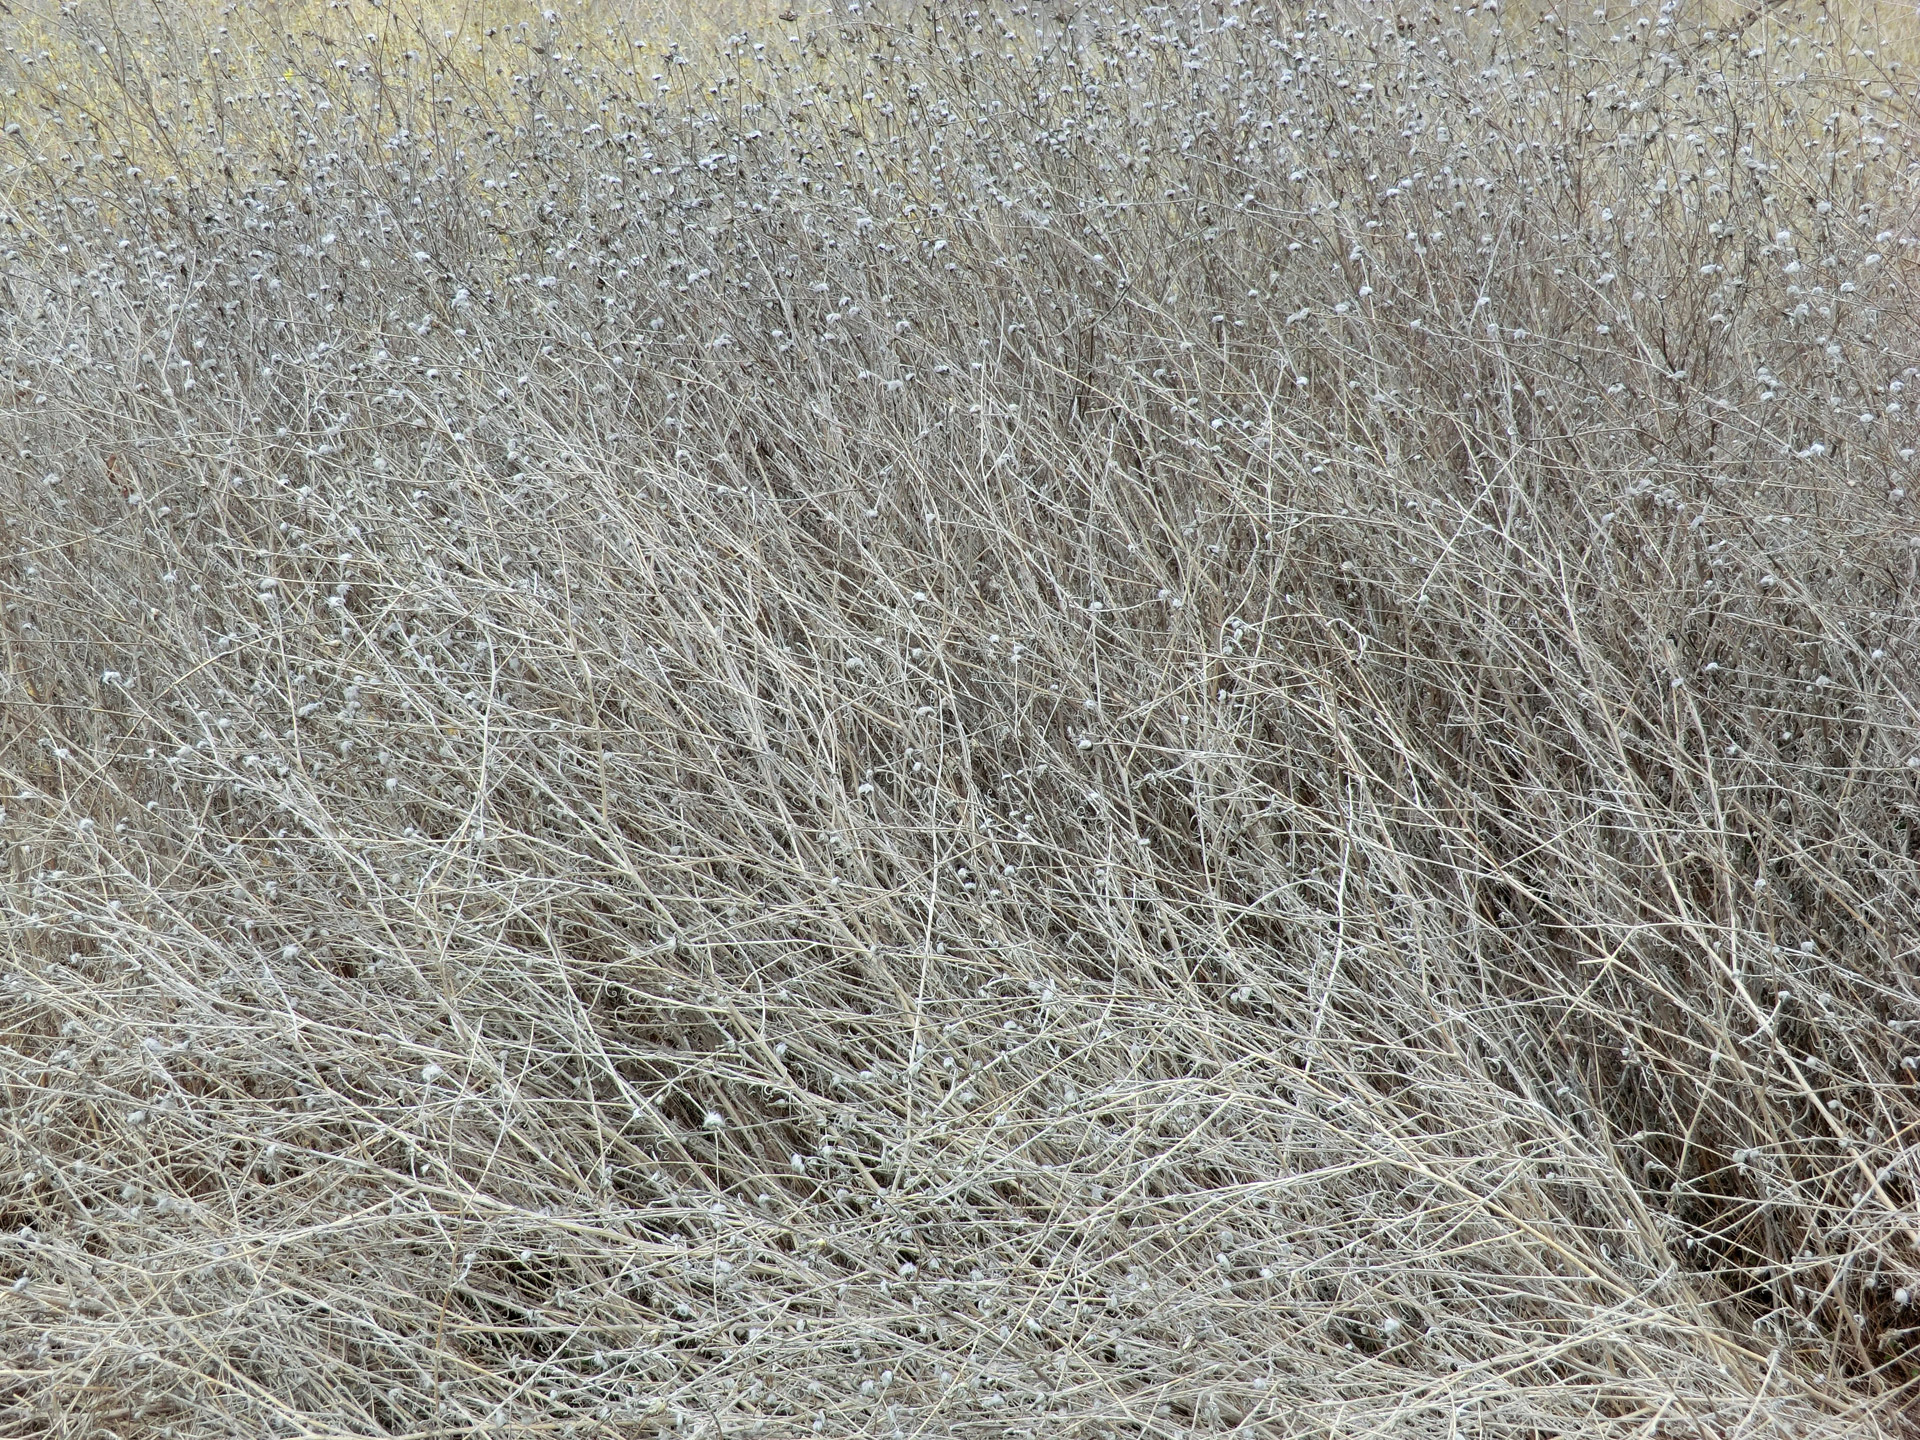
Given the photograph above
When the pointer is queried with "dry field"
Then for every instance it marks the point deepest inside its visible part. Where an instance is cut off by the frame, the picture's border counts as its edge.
(1070, 720)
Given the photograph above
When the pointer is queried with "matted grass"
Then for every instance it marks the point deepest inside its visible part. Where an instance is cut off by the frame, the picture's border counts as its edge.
(1095, 721)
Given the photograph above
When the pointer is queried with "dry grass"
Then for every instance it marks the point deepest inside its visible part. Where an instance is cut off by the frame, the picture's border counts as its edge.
(1132, 726)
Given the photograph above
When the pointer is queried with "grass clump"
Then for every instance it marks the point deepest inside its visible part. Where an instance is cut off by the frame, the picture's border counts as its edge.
(1104, 722)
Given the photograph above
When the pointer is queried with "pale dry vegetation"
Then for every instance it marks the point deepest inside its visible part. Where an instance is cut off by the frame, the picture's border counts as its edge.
(1117, 721)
